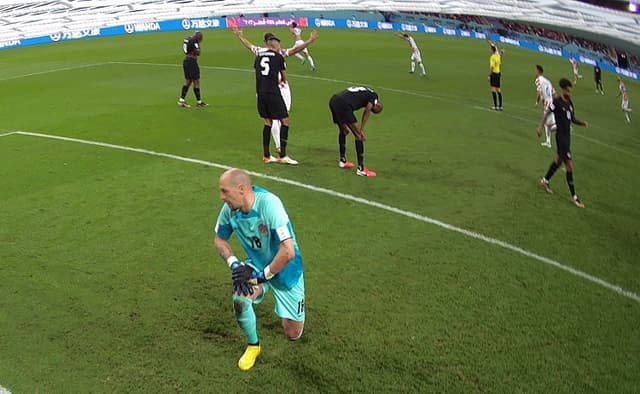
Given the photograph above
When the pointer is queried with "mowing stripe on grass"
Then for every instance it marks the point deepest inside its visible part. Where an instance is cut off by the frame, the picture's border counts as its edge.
(399, 91)
(615, 288)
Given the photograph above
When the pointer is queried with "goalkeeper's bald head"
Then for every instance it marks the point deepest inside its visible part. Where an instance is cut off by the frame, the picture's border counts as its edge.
(237, 177)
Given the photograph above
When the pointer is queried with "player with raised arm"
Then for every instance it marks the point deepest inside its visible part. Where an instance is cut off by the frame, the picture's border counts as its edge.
(575, 67)
(416, 56)
(562, 108)
(622, 92)
(285, 89)
(545, 93)
(274, 264)
(191, 49)
(296, 32)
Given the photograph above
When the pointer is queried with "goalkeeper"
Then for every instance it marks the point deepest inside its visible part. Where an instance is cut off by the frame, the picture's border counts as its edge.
(273, 263)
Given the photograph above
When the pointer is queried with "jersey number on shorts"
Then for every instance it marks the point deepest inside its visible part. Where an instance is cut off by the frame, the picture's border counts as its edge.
(264, 63)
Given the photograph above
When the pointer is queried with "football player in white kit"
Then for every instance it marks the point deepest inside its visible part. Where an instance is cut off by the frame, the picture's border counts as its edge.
(545, 93)
(285, 90)
(576, 72)
(416, 57)
(297, 38)
(622, 92)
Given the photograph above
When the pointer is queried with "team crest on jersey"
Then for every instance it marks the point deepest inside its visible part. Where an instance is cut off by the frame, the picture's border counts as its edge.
(263, 229)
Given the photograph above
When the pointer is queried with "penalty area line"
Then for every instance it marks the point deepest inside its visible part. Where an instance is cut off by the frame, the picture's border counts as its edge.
(472, 234)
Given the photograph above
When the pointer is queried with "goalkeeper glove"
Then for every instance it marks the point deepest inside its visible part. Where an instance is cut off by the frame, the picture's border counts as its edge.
(240, 275)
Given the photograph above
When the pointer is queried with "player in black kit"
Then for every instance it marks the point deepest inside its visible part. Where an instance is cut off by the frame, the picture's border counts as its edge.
(597, 76)
(191, 49)
(342, 106)
(270, 71)
(563, 110)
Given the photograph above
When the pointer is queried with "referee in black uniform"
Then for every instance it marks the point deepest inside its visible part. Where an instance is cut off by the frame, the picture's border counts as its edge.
(563, 110)
(191, 49)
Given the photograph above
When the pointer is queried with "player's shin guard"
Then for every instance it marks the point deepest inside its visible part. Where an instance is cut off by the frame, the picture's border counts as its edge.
(360, 153)
(552, 170)
(342, 142)
(572, 188)
(266, 139)
(275, 133)
(183, 93)
(284, 136)
(246, 317)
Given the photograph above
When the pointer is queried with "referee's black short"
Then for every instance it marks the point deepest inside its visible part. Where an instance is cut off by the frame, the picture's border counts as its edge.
(341, 111)
(494, 80)
(564, 147)
(272, 106)
(191, 68)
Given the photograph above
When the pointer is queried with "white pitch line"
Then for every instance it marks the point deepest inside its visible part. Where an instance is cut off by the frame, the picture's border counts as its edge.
(6, 134)
(55, 70)
(2, 389)
(505, 245)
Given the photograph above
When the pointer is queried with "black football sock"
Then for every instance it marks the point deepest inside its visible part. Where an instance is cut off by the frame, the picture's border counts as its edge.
(499, 99)
(495, 99)
(360, 154)
(284, 135)
(266, 140)
(552, 169)
(185, 89)
(572, 187)
(342, 142)
(197, 93)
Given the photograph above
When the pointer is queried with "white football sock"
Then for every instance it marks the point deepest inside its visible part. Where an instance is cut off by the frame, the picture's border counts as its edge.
(275, 132)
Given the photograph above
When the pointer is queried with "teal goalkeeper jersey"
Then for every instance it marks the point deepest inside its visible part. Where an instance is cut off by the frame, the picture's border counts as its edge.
(260, 233)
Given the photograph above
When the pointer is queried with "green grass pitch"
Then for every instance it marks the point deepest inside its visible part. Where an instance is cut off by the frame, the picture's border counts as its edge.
(109, 281)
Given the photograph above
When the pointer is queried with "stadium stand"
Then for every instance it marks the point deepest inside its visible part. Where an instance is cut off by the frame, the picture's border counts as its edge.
(25, 19)
(20, 19)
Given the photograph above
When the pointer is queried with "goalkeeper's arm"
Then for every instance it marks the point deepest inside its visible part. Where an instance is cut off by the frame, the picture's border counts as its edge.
(286, 253)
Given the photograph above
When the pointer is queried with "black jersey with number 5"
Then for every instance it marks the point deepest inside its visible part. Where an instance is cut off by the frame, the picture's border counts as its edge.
(358, 97)
(268, 65)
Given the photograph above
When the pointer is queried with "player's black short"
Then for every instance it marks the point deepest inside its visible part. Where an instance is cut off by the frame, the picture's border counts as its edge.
(191, 68)
(494, 80)
(272, 106)
(564, 147)
(341, 111)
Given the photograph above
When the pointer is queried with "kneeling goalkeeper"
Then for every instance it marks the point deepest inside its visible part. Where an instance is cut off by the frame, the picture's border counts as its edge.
(274, 262)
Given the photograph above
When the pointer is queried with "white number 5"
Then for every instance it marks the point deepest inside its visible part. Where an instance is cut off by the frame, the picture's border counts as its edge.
(264, 63)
